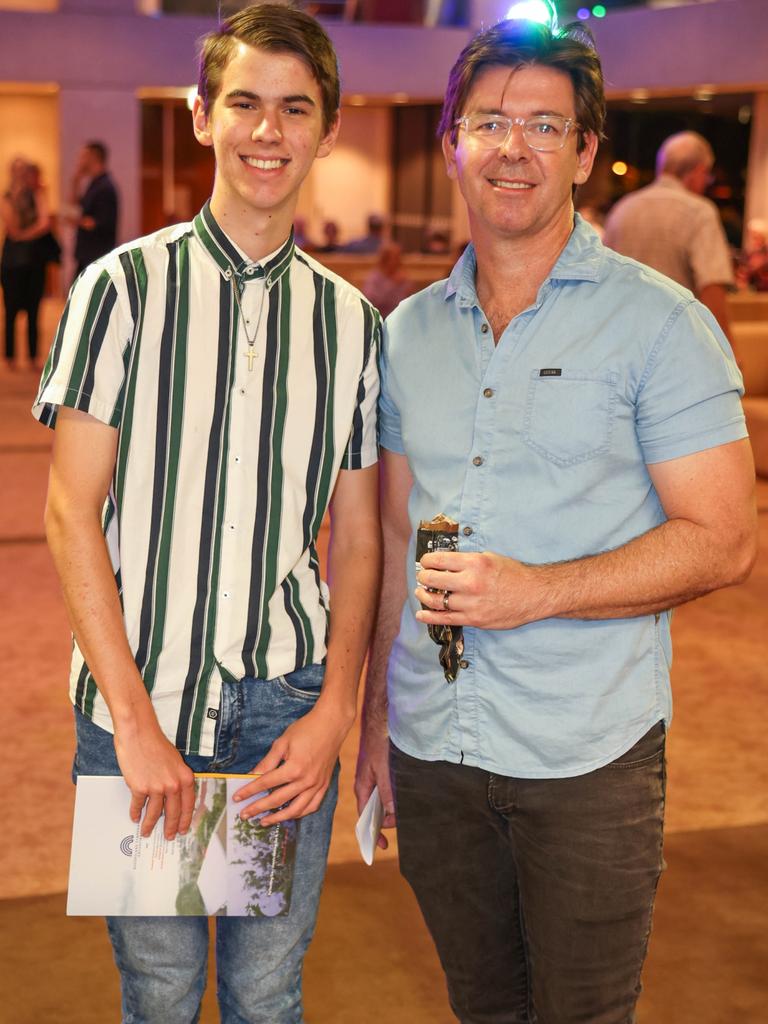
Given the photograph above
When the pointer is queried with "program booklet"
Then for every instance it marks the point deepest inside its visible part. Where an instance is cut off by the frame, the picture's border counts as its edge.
(223, 866)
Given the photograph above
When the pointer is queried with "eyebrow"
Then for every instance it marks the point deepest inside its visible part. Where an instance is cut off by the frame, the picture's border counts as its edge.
(246, 94)
(535, 113)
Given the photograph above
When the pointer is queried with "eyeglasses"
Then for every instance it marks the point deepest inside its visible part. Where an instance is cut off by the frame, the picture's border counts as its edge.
(545, 132)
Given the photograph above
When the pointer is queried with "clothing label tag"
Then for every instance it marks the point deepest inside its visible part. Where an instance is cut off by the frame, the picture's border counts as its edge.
(550, 373)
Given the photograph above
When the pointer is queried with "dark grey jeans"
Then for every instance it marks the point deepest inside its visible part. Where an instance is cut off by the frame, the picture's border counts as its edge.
(538, 892)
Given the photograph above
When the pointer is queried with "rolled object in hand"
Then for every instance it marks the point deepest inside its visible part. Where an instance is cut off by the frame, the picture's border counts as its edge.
(442, 534)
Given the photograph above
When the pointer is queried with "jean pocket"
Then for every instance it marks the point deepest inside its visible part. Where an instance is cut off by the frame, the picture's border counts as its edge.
(648, 749)
(303, 683)
(569, 414)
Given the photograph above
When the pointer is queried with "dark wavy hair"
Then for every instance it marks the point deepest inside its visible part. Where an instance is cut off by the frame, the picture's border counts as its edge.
(276, 28)
(516, 44)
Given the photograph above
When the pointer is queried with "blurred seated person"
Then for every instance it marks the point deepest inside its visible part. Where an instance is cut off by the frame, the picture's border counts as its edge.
(754, 265)
(436, 243)
(330, 236)
(371, 242)
(387, 285)
(300, 237)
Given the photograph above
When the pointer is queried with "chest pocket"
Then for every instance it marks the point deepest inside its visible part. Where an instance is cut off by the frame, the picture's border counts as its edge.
(569, 415)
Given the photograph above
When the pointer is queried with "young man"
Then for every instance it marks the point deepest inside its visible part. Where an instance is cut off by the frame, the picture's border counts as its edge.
(214, 392)
(578, 415)
(93, 190)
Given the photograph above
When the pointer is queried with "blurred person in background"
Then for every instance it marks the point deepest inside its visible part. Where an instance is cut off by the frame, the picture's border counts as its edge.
(94, 192)
(330, 237)
(26, 219)
(753, 271)
(671, 226)
(371, 241)
(387, 285)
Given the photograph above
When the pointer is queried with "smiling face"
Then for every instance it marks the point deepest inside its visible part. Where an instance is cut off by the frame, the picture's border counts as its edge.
(266, 129)
(515, 191)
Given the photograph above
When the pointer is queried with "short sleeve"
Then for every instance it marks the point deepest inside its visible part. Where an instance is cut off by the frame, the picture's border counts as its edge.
(709, 253)
(362, 448)
(86, 367)
(390, 433)
(689, 396)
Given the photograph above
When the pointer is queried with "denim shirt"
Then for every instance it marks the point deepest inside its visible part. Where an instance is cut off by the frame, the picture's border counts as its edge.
(539, 447)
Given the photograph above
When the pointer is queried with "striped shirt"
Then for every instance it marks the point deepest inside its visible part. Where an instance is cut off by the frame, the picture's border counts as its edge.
(223, 474)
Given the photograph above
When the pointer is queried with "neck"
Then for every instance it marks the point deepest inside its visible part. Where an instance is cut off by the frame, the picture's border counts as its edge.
(256, 232)
(511, 270)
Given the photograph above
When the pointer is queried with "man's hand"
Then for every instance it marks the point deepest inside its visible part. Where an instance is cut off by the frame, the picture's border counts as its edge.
(298, 768)
(484, 589)
(373, 770)
(157, 777)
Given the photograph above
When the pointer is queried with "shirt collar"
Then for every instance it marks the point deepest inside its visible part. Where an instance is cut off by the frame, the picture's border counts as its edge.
(230, 260)
(582, 259)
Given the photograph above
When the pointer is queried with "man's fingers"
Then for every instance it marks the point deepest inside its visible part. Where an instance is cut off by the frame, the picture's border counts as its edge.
(187, 807)
(152, 814)
(273, 758)
(172, 811)
(137, 805)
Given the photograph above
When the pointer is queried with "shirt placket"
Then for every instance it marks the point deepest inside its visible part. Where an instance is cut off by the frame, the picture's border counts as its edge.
(494, 364)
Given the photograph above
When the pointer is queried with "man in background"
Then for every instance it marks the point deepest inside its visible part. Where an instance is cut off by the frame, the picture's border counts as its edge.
(671, 226)
(93, 190)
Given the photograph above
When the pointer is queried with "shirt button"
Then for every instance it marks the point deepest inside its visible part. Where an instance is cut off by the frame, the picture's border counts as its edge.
(237, 459)
(467, 531)
(463, 663)
(485, 328)
(478, 460)
(488, 392)
(242, 391)
(225, 593)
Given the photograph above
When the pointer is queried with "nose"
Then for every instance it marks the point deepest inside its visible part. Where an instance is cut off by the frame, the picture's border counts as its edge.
(514, 146)
(268, 128)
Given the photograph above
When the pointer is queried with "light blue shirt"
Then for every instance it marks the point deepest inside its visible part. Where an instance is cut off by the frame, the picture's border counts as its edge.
(538, 446)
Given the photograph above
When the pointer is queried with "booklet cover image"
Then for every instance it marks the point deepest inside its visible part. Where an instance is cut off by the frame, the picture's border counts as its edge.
(223, 866)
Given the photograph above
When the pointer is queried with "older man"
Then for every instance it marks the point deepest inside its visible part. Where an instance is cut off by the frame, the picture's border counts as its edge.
(550, 407)
(674, 228)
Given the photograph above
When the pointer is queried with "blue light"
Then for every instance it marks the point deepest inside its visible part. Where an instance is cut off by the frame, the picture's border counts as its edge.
(541, 11)
(583, 13)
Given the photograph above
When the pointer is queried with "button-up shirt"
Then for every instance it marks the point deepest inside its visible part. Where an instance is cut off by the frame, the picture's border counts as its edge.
(539, 447)
(223, 473)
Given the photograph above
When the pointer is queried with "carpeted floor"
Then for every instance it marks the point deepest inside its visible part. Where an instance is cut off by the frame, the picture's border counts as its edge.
(372, 960)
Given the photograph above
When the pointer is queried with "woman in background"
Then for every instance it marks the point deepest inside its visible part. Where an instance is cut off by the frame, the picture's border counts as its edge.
(26, 219)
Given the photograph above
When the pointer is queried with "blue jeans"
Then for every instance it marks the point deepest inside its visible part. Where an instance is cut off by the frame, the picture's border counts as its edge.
(163, 960)
(538, 892)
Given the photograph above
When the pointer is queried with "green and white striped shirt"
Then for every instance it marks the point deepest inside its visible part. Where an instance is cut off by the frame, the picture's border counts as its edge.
(223, 474)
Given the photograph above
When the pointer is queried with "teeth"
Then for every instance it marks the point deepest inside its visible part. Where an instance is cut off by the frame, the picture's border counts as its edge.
(511, 184)
(263, 165)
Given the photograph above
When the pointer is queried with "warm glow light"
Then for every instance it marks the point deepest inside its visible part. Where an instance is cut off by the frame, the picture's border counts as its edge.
(619, 168)
(639, 95)
(703, 93)
(541, 11)
(191, 94)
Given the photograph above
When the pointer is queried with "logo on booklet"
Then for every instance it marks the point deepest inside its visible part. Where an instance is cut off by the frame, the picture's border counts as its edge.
(126, 846)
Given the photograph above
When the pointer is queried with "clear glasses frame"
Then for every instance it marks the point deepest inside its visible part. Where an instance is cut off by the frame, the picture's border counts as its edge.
(544, 132)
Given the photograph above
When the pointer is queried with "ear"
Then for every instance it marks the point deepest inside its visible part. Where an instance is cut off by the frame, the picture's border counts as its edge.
(329, 139)
(449, 152)
(201, 123)
(586, 159)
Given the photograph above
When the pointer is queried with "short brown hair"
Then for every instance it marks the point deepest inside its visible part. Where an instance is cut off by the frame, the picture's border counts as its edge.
(516, 44)
(277, 28)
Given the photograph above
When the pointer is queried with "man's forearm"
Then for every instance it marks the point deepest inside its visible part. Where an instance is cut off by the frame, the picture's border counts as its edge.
(392, 598)
(354, 569)
(80, 554)
(674, 563)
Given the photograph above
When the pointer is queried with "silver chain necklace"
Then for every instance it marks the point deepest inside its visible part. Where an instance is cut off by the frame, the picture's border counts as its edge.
(250, 352)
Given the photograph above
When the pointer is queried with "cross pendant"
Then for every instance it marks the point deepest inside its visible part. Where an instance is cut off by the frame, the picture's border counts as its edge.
(250, 355)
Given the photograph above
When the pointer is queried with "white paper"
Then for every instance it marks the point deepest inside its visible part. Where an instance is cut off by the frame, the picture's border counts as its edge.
(369, 825)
